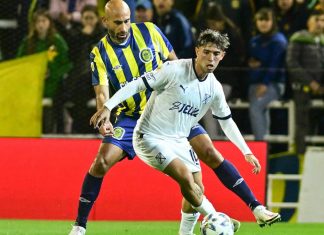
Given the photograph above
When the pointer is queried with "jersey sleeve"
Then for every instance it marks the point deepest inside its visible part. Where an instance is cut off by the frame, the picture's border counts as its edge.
(163, 43)
(98, 68)
(219, 107)
(124, 93)
(160, 79)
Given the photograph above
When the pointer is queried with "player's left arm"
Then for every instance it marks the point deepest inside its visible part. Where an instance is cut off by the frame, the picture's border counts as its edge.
(222, 113)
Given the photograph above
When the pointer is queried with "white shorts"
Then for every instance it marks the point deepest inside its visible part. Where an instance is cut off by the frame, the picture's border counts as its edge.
(158, 153)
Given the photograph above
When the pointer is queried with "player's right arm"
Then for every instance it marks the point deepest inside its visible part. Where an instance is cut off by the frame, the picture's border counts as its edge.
(158, 79)
(99, 78)
(102, 95)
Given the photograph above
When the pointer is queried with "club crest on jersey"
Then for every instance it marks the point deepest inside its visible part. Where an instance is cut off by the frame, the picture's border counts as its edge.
(118, 133)
(160, 158)
(146, 55)
(206, 98)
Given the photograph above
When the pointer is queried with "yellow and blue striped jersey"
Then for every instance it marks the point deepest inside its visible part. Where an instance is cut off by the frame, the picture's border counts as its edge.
(116, 64)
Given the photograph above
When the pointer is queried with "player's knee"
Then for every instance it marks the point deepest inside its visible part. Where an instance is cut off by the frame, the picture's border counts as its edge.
(211, 157)
(101, 164)
(186, 179)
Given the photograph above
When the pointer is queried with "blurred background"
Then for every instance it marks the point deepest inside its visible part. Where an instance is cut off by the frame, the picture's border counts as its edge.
(272, 74)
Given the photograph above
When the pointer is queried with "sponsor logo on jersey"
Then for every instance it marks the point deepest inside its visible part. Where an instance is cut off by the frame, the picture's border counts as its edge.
(206, 98)
(183, 88)
(185, 109)
(118, 133)
(117, 67)
(160, 158)
(146, 55)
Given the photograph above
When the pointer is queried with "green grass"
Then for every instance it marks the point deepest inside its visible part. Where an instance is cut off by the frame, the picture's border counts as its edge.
(41, 227)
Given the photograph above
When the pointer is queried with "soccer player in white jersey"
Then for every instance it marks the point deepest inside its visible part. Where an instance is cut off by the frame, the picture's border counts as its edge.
(183, 91)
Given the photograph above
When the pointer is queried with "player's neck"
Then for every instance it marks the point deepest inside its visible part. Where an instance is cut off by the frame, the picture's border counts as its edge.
(198, 71)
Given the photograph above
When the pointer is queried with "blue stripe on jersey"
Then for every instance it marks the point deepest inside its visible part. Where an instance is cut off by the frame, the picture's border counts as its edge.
(167, 43)
(113, 80)
(128, 76)
(95, 74)
(222, 118)
(148, 41)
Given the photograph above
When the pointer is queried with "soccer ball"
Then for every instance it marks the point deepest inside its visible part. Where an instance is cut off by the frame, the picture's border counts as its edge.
(216, 224)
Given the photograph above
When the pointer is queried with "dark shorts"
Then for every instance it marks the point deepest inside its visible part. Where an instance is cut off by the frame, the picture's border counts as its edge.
(123, 137)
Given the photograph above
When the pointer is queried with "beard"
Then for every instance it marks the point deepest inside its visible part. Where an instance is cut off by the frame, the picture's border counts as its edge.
(118, 37)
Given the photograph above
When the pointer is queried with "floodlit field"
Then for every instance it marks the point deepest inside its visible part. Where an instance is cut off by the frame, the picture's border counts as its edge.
(40, 227)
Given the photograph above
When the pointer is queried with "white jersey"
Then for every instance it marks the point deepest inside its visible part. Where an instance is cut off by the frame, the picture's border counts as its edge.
(179, 100)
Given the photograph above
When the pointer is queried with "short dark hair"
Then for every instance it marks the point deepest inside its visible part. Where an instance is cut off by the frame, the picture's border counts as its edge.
(211, 36)
(266, 13)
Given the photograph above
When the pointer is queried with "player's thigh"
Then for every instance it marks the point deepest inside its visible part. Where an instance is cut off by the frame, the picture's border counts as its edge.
(204, 148)
(110, 153)
(107, 156)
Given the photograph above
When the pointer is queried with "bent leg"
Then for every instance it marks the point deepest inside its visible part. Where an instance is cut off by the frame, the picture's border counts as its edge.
(178, 171)
(224, 169)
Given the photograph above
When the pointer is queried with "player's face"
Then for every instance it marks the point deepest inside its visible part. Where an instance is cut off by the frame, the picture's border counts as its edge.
(208, 58)
(42, 25)
(117, 23)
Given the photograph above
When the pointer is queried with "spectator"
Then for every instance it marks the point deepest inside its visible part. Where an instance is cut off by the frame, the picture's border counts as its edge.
(143, 11)
(228, 71)
(67, 12)
(241, 12)
(290, 16)
(175, 27)
(79, 85)
(305, 62)
(319, 5)
(43, 37)
(266, 75)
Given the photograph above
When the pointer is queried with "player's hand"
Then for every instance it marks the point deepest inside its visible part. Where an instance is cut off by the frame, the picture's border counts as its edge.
(250, 158)
(106, 129)
(100, 117)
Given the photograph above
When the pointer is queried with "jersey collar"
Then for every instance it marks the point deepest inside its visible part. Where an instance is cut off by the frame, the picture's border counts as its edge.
(193, 67)
(124, 45)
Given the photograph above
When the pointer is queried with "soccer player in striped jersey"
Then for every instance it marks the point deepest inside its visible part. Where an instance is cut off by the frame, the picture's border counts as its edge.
(126, 52)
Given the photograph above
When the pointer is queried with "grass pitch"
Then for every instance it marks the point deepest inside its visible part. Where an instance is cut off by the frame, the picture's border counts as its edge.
(41, 227)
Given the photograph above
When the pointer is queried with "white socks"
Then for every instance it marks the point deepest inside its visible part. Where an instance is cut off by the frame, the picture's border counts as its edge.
(205, 208)
(188, 222)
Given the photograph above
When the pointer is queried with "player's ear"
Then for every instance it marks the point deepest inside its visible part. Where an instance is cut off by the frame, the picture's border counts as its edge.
(196, 50)
(104, 21)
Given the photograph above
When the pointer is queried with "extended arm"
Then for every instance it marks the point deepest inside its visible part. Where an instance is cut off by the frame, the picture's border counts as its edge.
(103, 114)
(234, 135)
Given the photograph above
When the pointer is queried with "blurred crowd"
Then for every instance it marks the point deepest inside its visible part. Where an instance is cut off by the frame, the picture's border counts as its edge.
(276, 52)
